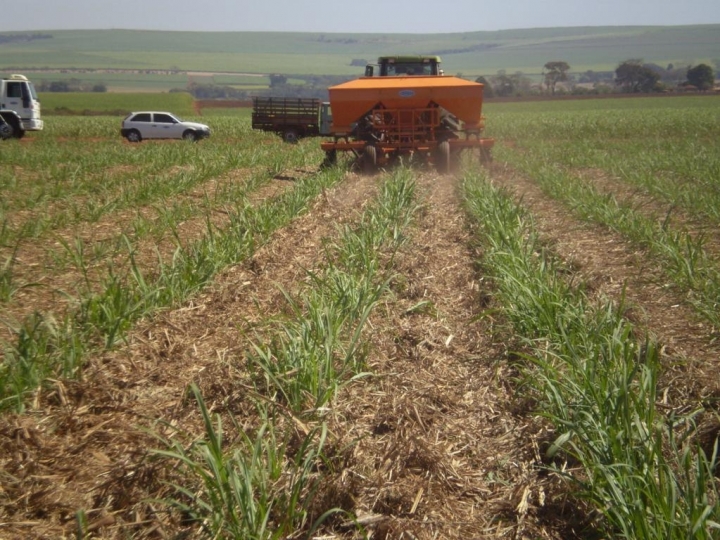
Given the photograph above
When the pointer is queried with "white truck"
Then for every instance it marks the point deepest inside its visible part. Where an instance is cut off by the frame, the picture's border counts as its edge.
(19, 107)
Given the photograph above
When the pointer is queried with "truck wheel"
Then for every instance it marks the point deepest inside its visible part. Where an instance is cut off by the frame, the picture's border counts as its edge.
(6, 131)
(134, 136)
(14, 128)
(290, 136)
(443, 157)
(369, 159)
(190, 135)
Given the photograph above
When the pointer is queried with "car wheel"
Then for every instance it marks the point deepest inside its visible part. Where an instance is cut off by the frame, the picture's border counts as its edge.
(190, 135)
(134, 136)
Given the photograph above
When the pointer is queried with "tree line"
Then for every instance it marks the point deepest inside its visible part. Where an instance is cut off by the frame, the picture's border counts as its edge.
(630, 76)
(70, 85)
(15, 38)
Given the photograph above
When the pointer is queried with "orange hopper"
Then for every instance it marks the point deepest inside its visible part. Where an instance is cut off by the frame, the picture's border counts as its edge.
(350, 101)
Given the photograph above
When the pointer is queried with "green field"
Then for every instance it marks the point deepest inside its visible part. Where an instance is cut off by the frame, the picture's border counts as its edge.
(253, 327)
(472, 54)
(63, 103)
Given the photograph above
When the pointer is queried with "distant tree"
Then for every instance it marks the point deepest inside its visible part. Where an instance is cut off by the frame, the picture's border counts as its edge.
(591, 76)
(588, 77)
(655, 67)
(510, 85)
(277, 80)
(504, 84)
(488, 90)
(99, 87)
(675, 75)
(701, 76)
(556, 72)
(59, 86)
(523, 84)
(633, 76)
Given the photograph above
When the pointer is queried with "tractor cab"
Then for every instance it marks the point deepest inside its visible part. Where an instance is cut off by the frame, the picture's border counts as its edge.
(405, 66)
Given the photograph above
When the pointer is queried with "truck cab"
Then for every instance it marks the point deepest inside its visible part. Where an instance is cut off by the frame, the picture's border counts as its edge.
(405, 66)
(19, 105)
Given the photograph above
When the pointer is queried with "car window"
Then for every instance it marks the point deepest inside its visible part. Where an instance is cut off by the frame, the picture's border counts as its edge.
(164, 118)
(142, 117)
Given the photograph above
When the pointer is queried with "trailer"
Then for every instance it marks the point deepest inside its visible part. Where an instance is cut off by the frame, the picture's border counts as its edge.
(291, 118)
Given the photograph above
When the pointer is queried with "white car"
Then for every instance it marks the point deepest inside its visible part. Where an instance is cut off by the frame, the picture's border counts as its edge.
(161, 125)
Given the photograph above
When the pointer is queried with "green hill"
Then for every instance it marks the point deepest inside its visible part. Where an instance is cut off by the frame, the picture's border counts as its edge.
(472, 54)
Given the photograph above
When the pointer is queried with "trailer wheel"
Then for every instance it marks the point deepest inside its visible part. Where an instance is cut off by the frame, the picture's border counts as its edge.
(369, 159)
(290, 136)
(443, 163)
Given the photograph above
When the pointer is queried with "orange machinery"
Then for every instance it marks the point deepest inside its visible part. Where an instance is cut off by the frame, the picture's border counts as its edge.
(382, 118)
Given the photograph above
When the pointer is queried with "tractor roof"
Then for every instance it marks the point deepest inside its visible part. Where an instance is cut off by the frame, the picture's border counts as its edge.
(408, 59)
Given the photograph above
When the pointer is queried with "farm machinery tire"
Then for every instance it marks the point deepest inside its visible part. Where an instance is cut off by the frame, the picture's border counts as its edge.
(369, 159)
(291, 136)
(443, 157)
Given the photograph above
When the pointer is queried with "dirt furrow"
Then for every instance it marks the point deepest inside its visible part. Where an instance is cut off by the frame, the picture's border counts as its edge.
(663, 212)
(85, 445)
(433, 448)
(100, 246)
(610, 266)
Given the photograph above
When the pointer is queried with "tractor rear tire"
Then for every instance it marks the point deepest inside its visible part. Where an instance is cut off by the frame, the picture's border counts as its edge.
(443, 158)
(369, 159)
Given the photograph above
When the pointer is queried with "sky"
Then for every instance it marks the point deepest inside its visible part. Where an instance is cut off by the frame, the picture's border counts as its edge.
(346, 16)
